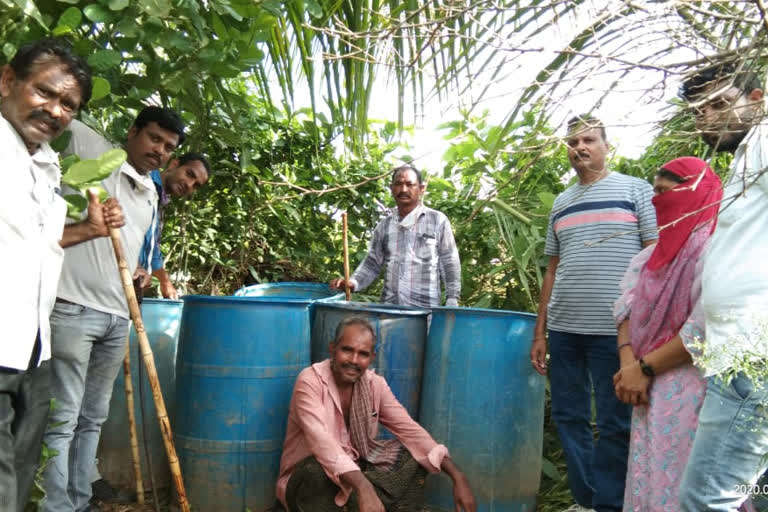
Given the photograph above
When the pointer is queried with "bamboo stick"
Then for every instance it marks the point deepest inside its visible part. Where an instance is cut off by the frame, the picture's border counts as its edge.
(347, 291)
(132, 422)
(149, 364)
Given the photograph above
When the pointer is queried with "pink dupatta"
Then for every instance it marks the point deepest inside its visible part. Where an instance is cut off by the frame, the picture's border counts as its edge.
(656, 289)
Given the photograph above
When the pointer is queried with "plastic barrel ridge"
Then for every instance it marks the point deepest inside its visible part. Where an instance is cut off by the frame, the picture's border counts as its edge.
(401, 334)
(483, 401)
(162, 319)
(237, 363)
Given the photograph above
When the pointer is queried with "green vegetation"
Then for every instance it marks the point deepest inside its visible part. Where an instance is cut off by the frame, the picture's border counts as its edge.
(282, 174)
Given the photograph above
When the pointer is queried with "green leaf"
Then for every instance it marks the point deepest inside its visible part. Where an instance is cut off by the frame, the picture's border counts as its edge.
(314, 9)
(68, 160)
(61, 30)
(180, 42)
(29, 8)
(157, 8)
(89, 171)
(550, 471)
(547, 199)
(118, 5)
(220, 28)
(61, 142)
(9, 51)
(97, 14)
(71, 18)
(101, 88)
(105, 59)
(252, 57)
(75, 205)
(128, 27)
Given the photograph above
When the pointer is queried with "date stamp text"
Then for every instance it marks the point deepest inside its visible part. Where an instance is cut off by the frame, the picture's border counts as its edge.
(750, 489)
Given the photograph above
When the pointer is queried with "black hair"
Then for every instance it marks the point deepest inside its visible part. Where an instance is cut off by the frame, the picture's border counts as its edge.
(192, 157)
(746, 80)
(587, 121)
(353, 320)
(663, 173)
(30, 54)
(164, 117)
(407, 167)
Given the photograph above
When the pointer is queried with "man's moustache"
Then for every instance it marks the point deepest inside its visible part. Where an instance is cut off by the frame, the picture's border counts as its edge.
(350, 366)
(46, 117)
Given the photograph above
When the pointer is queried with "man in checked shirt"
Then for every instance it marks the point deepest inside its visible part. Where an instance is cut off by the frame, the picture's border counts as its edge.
(415, 247)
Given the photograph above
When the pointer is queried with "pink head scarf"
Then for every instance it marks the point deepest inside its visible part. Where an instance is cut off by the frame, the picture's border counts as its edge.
(660, 302)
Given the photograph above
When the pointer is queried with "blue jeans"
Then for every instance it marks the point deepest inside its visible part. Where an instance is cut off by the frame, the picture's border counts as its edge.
(730, 447)
(88, 348)
(596, 469)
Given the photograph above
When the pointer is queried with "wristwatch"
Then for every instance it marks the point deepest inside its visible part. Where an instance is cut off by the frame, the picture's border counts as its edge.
(646, 368)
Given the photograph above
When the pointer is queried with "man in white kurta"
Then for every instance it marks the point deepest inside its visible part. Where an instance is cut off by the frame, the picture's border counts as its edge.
(42, 88)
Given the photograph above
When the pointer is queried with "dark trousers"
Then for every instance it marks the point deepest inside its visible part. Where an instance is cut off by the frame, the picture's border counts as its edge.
(400, 489)
(24, 403)
(596, 469)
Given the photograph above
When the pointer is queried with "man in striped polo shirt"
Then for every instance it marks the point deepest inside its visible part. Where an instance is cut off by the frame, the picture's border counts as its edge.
(595, 228)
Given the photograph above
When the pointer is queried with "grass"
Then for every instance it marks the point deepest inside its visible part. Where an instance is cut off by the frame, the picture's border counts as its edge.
(554, 494)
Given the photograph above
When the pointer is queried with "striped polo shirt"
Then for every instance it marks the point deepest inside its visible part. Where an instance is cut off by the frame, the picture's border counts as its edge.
(595, 229)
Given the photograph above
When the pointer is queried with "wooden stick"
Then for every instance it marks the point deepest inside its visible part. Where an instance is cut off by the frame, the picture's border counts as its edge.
(132, 421)
(149, 364)
(347, 291)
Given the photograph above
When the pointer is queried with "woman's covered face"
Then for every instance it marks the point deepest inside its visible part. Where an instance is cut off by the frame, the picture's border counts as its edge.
(662, 184)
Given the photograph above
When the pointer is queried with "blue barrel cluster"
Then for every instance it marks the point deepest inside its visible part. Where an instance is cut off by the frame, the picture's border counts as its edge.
(469, 383)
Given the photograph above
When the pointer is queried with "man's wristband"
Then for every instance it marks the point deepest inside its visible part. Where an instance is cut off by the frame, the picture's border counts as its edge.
(618, 349)
(537, 338)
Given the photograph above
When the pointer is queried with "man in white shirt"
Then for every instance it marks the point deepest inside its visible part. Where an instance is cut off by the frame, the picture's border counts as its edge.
(731, 441)
(42, 89)
(89, 323)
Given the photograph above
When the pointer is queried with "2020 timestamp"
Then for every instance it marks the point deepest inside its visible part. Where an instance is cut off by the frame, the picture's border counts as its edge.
(751, 489)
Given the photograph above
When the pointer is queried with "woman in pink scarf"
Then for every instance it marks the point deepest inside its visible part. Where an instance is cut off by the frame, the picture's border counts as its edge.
(659, 291)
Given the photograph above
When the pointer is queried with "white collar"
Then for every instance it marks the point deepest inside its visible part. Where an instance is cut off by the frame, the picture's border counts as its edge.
(409, 220)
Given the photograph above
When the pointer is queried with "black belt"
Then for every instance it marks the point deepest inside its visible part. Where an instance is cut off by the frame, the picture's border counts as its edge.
(65, 301)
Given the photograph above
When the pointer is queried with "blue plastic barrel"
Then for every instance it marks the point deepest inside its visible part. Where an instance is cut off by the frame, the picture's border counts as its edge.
(401, 334)
(162, 319)
(237, 362)
(316, 292)
(483, 400)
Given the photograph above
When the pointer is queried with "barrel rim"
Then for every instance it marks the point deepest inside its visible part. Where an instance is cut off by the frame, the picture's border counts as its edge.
(158, 300)
(499, 312)
(288, 285)
(375, 307)
(231, 299)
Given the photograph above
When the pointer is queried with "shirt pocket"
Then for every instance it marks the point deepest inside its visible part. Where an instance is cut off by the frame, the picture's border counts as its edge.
(425, 247)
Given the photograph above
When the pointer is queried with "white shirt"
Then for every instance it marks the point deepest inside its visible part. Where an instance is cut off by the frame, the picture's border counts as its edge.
(735, 276)
(90, 276)
(32, 217)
